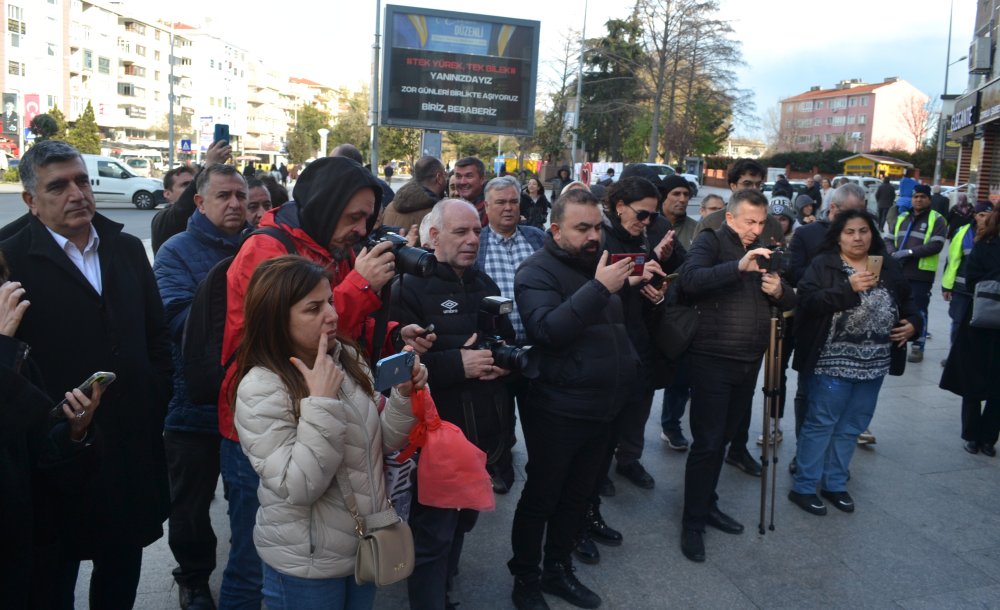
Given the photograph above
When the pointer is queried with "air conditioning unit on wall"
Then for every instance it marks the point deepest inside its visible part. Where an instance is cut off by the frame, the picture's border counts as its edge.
(980, 55)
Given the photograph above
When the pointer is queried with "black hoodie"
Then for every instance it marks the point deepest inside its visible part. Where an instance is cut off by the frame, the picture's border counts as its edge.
(323, 191)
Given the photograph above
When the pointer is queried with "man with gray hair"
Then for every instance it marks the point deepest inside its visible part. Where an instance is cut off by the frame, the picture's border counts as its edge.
(503, 246)
(95, 307)
(191, 431)
(467, 388)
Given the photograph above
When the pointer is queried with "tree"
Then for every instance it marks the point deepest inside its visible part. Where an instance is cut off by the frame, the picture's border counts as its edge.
(480, 145)
(85, 135)
(398, 143)
(550, 132)
(60, 120)
(44, 127)
(351, 125)
(915, 117)
(303, 139)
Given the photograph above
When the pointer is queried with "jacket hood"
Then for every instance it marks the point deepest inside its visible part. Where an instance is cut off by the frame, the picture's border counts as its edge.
(323, 190)
(412, 197)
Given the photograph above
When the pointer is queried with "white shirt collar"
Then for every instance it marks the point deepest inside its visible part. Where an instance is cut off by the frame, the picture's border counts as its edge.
(93, 241)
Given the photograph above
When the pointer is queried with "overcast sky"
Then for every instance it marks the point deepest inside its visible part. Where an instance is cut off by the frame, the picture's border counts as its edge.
(788, 45)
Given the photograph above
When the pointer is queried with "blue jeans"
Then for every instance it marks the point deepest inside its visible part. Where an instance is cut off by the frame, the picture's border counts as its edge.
(922, 299)
(284, 592)
(241, 581)
(839, 410)
(675, 397)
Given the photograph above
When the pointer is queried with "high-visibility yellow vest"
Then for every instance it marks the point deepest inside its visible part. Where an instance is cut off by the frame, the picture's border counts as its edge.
(956, 252)
(927, 263)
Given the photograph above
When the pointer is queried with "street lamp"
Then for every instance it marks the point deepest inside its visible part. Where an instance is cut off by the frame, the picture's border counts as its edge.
(941, 130)
(323, 132)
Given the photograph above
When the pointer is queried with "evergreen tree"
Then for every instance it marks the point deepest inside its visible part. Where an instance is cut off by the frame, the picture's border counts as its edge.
(60, 120)
(44, 127)
(85, 135)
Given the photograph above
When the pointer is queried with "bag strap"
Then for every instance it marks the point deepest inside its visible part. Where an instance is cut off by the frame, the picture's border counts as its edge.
(368, 523)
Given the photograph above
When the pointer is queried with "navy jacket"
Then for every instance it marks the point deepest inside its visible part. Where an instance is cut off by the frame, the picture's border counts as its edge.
(180, 265)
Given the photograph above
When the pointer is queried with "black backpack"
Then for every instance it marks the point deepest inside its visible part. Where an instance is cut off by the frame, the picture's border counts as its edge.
(201, 344)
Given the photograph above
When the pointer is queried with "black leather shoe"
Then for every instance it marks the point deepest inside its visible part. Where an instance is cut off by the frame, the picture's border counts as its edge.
(606, 488)
(971, 447)
(693, 545)
(527, 595)
(499, 486)
(585, 550)
(721, 521)
(558, 579)
(793, 466)
(601, 531)
(808, 502)
(195, 598)
(635, 473)
(841, 500)
(987, 450)
(745, 462)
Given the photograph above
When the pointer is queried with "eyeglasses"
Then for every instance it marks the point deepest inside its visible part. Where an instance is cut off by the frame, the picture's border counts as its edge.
(643, 215)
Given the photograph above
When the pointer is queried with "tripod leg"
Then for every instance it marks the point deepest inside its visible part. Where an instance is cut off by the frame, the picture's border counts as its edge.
(769, 368)
(775, 416)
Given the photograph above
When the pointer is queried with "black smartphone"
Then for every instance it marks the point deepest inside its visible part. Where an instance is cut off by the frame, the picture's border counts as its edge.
(221, 132)
(658, 280)
(393, 370)
(104, 378)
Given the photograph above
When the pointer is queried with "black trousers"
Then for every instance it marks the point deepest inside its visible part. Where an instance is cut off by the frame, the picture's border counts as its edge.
(722, 393)
(564, 461)
(631, 425)
(980, 424)
(438, 537)
(113, 581)
(193, 468)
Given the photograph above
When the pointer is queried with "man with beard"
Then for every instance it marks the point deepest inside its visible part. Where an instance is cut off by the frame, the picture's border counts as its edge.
(567, 293)
(334, 202)
(677, 192)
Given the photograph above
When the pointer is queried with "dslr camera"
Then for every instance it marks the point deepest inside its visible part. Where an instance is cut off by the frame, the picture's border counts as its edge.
(518, 359)
(779, 262)
(415, 261)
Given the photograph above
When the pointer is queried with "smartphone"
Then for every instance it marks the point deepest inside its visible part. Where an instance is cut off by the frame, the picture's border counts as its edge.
(221, 132)
(393, 370)
(102, 377)
(638, 258)
(875, 265)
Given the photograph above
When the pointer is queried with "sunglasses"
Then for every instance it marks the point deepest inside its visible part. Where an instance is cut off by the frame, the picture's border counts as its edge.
(643, 215)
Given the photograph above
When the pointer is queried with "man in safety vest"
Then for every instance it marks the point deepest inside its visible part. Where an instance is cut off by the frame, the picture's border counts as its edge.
(915, 240)
(953, 287)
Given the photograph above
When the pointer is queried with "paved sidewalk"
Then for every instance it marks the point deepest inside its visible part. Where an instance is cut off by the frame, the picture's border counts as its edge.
(926, 533)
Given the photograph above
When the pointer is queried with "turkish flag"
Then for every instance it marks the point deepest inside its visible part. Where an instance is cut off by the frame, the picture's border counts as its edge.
(31, 108)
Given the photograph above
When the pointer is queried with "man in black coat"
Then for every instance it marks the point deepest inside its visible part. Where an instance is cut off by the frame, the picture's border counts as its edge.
(567, 295)
(734, 298)
(95, 307)
(885, 197)
(467, 388)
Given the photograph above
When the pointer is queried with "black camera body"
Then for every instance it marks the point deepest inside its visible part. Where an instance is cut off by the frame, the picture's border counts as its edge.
(779, 262)
(518, 359)
(415, 261)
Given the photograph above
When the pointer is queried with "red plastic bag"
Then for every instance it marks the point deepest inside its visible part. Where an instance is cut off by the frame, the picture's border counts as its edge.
(451, 471)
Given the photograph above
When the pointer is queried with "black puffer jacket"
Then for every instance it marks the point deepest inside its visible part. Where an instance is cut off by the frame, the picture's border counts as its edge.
(451, 304)
(578, 328)
(826, 289)
(733, 312)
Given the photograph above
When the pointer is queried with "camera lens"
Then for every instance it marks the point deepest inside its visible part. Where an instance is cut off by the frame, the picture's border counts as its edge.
(415, 261)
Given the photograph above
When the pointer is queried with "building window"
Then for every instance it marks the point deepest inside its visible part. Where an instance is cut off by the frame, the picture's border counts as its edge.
(130, 90)
(840, 102)
(851, 119)
(140, 50)
(818, 104)
(88, 59)
(852, 102)
(15, 68)
(211, 63)
(861, 119)
(156, 55)
(817, 122)
(156, 75)
(104, 65)
(838, 121)
(864, 101)
(805, 106)
(53, 102)
(156, 34)
(138, 28)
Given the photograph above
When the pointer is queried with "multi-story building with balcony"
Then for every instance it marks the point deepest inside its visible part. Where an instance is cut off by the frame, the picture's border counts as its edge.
(855, 116)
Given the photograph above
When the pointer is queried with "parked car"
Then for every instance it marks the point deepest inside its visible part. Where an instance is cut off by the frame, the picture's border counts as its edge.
(798, 187)
(113, 182)
(665, 171)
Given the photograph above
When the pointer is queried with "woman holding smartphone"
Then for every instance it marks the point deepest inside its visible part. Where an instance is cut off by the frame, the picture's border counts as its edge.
(847, 320)
(305, 410)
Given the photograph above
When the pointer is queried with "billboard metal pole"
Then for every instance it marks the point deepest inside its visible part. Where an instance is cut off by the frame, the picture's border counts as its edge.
(579, 92)
(373, 102)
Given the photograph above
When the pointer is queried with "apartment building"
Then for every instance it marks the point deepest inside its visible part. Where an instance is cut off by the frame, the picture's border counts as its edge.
(855, 116)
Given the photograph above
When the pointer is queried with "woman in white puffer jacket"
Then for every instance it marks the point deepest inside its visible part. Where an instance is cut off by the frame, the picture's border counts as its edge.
(304, 409)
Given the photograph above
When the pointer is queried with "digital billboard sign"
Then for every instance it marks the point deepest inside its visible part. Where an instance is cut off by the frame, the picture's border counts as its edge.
(458, 71)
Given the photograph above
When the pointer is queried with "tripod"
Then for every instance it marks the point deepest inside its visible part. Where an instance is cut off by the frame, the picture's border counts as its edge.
(772, 396)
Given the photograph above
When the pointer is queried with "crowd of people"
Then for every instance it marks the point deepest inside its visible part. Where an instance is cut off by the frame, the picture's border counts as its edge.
(549, 312)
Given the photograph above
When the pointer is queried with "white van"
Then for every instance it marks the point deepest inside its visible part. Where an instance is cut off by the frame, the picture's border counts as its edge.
(112, 182)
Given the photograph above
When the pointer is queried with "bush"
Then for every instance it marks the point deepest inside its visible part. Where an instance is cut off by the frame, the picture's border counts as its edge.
(11, 175)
